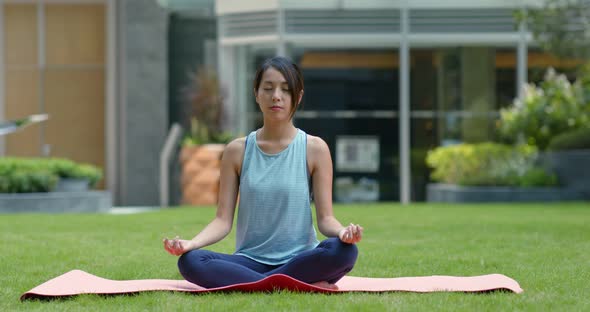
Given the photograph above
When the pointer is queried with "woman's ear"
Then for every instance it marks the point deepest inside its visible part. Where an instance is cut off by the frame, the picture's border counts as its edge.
(300, 97)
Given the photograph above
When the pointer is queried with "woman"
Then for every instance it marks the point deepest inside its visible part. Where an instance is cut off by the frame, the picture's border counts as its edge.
(275, 169)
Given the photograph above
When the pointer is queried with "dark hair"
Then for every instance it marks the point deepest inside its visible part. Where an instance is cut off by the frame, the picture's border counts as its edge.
(290, 71)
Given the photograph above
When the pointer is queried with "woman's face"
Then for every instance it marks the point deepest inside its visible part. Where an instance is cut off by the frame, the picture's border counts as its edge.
(273, 95)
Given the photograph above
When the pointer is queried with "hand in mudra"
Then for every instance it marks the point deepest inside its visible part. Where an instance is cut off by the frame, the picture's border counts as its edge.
(176, 246)
(351, 234)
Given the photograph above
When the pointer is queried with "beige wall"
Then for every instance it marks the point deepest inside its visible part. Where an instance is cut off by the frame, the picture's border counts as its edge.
(21, 76)
(67, 82)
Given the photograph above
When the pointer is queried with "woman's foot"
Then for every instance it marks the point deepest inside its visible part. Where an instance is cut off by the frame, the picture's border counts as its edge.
(324, 284)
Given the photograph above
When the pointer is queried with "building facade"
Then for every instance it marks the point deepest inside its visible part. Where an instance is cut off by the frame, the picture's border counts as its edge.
(385, 80)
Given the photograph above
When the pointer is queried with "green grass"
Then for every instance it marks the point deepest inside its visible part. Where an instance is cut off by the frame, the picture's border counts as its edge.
(545, 247)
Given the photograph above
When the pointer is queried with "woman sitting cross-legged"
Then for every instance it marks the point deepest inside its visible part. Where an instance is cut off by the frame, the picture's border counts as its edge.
(275, 169)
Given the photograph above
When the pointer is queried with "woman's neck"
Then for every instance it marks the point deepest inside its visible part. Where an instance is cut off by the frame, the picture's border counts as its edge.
(277, 132)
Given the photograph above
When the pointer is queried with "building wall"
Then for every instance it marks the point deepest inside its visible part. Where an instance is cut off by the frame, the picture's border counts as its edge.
(143, 83)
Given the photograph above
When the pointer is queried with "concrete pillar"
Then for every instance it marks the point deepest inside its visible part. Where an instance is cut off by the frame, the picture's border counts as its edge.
(143, 99)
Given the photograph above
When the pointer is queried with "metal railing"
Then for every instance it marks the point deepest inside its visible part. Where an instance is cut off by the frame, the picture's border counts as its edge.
(165, 155)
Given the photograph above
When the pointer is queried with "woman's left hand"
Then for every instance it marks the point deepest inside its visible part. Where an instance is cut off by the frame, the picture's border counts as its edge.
(351, 234)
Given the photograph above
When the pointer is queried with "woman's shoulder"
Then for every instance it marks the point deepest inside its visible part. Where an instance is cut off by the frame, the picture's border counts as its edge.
(234, 153)
(236, 146)
(316, 144)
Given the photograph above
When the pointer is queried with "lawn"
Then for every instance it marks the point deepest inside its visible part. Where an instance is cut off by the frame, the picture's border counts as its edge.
(545, 247)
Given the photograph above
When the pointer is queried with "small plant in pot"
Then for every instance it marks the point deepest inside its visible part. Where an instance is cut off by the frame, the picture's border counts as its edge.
(201, 151)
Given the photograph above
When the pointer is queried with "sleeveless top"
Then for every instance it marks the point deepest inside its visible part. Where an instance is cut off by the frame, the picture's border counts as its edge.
(274, 215)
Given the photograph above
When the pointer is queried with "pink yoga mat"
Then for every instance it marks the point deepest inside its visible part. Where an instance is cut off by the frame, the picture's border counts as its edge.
(78, 282)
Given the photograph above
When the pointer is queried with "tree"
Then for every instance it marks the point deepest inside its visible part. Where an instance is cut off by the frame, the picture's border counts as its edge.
(561, 27)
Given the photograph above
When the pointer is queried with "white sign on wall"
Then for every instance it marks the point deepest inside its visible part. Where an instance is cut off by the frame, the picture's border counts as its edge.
(357, 153)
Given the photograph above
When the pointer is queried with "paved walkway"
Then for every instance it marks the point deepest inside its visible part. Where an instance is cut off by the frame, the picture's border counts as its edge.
(131, 210)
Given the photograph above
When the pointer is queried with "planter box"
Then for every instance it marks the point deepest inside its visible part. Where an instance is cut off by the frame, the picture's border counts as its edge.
(201, 171)
(72, 185)
(571, 167)
(473, 194)
(56, 202)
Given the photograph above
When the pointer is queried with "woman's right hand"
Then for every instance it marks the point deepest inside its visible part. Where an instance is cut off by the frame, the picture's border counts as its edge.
(177, 246)
(351, 234)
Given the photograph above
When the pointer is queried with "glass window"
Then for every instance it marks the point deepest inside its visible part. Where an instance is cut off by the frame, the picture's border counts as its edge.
(455, 96)
(352, 96)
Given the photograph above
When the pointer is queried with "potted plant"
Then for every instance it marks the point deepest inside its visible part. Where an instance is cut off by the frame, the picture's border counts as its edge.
(201, 151)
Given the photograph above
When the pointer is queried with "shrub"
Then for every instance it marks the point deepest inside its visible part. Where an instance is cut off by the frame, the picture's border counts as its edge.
(554, 107)
(582, 85)
(66, 168)
(26, 175)
(27, 181)
(537, 177)
(487, 164)
(86, 171)
(577, 139)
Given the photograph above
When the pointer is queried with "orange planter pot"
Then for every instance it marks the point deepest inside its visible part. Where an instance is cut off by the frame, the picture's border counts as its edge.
(200, 173)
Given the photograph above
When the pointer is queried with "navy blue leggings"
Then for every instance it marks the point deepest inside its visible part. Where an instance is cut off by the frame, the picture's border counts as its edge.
(329, 261)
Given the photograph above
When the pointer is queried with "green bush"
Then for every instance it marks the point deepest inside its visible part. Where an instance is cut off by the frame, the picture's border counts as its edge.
(582, 85)
(26, 181)
(545, 111)
(26, 175)
(66, 168)
(487, 164)
(577, 139)
(86, 171)
(537, 177)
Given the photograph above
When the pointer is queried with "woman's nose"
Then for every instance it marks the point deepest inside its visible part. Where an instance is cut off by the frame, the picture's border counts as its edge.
(276, 95)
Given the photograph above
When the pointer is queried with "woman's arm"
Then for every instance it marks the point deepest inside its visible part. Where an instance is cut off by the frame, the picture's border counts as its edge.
(221, 225)
(320, 168)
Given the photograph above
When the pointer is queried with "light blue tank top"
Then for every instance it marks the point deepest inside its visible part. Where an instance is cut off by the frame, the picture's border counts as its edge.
(274, 215)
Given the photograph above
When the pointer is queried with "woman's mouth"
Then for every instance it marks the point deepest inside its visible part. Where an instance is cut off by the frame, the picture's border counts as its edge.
(275, 108)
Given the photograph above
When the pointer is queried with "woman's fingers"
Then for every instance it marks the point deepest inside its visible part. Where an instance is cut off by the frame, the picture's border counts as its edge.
(356, 232)
(352, 233)
(168, 246)
(359, 231)
(173, 246)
